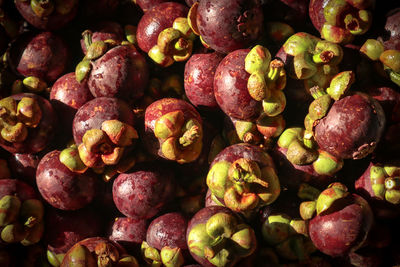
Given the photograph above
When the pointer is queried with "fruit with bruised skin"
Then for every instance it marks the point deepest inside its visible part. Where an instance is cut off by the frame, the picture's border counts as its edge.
(27, 123)
(227, 29)
(243, 178)
(164, 33)
(47, 15)
(198, 79)
(98, 251)
(216, 236)
(380, 185)
(143, 192)
(21, 213)
(339, 221)
(340, 21)
(103, 131)
(43, 56)
(112, 69)
(68, 228)
(62, 188)
(173, 130)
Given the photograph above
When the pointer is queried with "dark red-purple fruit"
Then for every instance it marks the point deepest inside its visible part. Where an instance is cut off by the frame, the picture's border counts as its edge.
(24, 167)
(143, 193)
(227, 29)
(61, 187)
(173, 130)
(145, 5)
(67, 95)
(393, 28)
(43, 55)
(47, 15)
(352, 128)
(128, 231)
(28, 123)
(199, 77)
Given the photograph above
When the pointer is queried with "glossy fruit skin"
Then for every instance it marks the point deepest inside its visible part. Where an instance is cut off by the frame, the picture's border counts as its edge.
(230, 87)
(24, 167)
(156, 19)
(93, 113)
(198, 79)
(62, 188)
(43, 55)
(156, 110)
(52, 22)
(38, 138)
(145, 5)
(219, 26)
(352, 127)
(167, 230)
(67, 95)
(128, 231)
(143, 193)
(342, 229)
(66, 228)
(393, 27)
(121, 72)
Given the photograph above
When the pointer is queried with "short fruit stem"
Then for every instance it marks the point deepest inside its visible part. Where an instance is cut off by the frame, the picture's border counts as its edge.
(190, 136)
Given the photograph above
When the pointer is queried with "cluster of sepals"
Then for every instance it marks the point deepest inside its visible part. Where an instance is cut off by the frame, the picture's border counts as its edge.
(180, 138)
(346, 18)
(300, 143)
(243, 185)
(100, 147)
(167, 256)
(319, 202)
(266, 83)
(173, 44)
(96, 49)
(385, 182)
(315, 61)
(388, 60)
(17, 117)
(104, 254)
(289, 236)
(21, 221)
(43, 9)
(222, 239)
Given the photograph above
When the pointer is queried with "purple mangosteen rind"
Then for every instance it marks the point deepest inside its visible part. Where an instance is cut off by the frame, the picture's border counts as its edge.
(40, 133)
(204, 243)
(61, 187)
(357, 132)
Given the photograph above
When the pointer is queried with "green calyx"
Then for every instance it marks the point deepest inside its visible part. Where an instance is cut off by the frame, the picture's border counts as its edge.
(9, 209)
(130, 33)
(54, 259)
(299, 154)
(336, 34)
(217, 178)
(276, 229)
(247, 131)
(34, 84)
(340, 84)
(307, 191)
(278, 32)
(327, 197)
(222, 240)
(96, 50)
(372, 49)
(304, 66)
(173, 44)
(275, 104)
(71, 159)
(391, 59)
(103, 146)
(83, 69)
(17, 117)
(80, 255)
(319, 107)
(171, 256)
(42, 8)
(327, 53)
(326, 164)
(307, 209)
(128, 261)
(150, 255)
(13, 233)
(180, 140)
(300, 43)
(385, 182)
(257, 60)
(289, 135)
(270, 127)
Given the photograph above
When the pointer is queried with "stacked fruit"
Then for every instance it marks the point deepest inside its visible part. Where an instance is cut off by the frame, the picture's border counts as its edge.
(199, 133)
